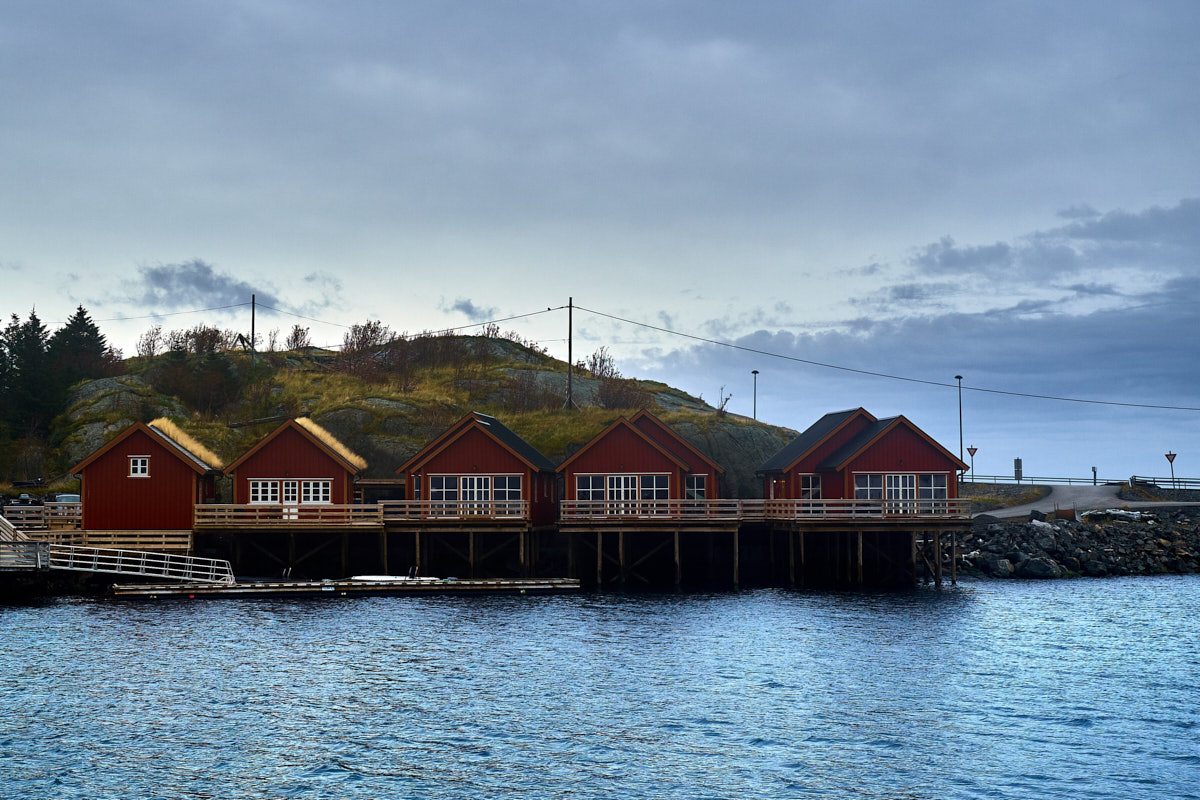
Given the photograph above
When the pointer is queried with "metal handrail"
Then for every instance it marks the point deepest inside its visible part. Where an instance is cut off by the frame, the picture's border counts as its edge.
(1036, 480)
(187, 569)
(1167, 483)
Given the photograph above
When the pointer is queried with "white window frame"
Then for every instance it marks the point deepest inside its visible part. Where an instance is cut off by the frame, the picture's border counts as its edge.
(933, 492)
(443, 494)
(810, 489)
(900, 493)
(315, 492)
(506, 494)
(264, 492)
(868, 486)
(475, 492)
(621, 494)
(139, 466)
(589, 487)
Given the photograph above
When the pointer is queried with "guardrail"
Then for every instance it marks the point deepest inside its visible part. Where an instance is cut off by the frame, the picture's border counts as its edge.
(158, 541)
(454, 509)
(570, 510)
(52, 515)
(333, 516)
(699, 510)
(1036, 480)
(1167, 483)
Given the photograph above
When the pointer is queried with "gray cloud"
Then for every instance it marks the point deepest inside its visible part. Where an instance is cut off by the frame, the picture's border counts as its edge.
(473, 312)
(1082, 211)
(946, 256)
(1093, 289)
(193, 284)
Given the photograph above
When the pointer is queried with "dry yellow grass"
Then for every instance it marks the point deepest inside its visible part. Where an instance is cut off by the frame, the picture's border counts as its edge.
(174, 433)
(332, 441)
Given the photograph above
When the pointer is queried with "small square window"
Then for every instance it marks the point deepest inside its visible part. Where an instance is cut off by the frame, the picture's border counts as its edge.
(139, 466)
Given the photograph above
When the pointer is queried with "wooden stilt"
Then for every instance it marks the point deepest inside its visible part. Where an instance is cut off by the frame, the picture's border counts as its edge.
(621, 556)
(417, 551)
(346, 554)
(737, 565)
(599, 559)
(521, 555)
(954, 558)
(937, 557)
(678, 563)
(791, 558)
(859, 566)
(771, 557)
(571, 573)
(471, 553)
(291, 561)
(800, 536)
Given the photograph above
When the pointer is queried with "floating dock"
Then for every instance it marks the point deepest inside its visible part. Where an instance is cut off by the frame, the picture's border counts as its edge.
(346, 588)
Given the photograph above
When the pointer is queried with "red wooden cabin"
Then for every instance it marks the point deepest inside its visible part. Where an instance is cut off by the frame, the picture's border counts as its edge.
(852, 455)
(297, 464)
(638, 464)
(478, 467)
(147, 478)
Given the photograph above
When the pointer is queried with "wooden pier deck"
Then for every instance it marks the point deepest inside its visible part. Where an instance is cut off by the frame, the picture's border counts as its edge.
(347, 588)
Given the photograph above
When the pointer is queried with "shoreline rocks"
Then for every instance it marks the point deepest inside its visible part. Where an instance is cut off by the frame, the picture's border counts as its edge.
(1153, 542)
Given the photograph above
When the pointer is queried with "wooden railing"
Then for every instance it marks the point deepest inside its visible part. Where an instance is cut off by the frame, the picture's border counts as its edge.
(224, 516)
(700, 510)
(865, 509)
(156, 541)
(52, 515)
(587, 510)
(9, 533)
(455, 509)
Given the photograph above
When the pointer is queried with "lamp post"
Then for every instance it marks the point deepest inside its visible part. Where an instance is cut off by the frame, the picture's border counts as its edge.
(1171, 461)
(960, 447)
(754, 372)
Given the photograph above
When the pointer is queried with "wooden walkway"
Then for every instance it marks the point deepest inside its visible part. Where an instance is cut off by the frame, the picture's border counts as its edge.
(349, 588)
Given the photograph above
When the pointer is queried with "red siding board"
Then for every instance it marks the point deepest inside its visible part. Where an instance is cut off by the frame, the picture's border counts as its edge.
(163, 501)
(623, 452)
(291, 455)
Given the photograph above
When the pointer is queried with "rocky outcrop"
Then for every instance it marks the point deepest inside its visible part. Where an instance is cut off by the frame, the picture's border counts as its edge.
(1105, 543)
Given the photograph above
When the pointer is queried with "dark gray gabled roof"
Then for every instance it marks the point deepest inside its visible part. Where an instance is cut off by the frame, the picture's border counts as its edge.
(864, 437)
(513, 442)
(807, 440)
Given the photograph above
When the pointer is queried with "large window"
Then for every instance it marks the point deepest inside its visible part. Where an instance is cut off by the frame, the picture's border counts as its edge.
(589, 487)
(506, 492)
(622, 494)
(443, 494)
(868, 487)
(264, 492)
(810, 489)
(315, 491)
(139, 466)
(932, 493)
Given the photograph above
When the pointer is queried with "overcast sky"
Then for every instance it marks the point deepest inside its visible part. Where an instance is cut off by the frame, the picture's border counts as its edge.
(1008, 191)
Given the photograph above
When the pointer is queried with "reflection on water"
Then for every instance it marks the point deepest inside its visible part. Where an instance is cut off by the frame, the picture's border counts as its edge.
(1063, 689)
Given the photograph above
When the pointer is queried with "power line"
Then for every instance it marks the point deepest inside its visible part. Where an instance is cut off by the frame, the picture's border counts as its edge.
(873, 374)
(165, 314)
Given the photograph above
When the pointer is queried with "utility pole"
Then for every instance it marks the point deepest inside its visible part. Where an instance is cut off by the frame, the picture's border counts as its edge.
(754, 372)
(252, 309)
(570, 353)
(960, 439)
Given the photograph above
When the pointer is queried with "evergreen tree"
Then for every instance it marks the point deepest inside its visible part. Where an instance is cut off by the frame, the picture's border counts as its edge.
(78, 350)
(32, 396)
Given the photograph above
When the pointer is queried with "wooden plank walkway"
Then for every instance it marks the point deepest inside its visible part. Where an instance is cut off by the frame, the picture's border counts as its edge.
(348, 588)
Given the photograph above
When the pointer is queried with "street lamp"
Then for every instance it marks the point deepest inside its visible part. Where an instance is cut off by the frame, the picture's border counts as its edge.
(1171, 461)
(754, 372)
(960, 447)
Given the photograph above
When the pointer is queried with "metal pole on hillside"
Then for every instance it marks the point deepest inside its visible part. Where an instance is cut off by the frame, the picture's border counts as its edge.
(754, 372)
(252, 309)
(570, 353)
(960, 447)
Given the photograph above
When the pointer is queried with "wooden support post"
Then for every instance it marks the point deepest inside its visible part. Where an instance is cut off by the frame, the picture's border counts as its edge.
(791, 557)
(678, 563)
(471, 553)
(771, 557)
(521, 555)
(346, 554)
(291, 562)
(859, 566)
(937, 557)
(571, 556)
(913, 556)
(800, 536)
(954, 558)
(737, 566)
(417, 551)
(621, 556)
(599, 559)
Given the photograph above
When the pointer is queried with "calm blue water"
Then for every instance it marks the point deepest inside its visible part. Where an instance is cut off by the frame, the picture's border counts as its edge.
(1079, 689)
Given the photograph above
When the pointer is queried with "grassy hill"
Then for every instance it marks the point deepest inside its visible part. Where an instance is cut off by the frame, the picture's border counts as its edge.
(388, 403)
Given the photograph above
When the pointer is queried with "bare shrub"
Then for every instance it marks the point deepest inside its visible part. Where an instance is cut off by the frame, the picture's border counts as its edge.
(151, 342)
(298, 339)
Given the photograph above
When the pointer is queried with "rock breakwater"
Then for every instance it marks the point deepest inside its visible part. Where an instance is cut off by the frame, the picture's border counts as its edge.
(1113, 542)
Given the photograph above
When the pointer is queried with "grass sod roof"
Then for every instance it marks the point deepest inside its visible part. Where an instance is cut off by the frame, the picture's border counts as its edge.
(332, 442)
(187, 442)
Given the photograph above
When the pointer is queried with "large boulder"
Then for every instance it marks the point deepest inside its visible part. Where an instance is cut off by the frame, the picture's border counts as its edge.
(1039, 567)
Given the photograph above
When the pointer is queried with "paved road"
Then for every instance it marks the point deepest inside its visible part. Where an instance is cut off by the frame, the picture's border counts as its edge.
(1081, 498)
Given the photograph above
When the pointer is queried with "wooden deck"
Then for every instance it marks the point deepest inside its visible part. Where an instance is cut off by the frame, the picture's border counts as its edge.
(153, 541)
(240, 517)
(51, 516)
